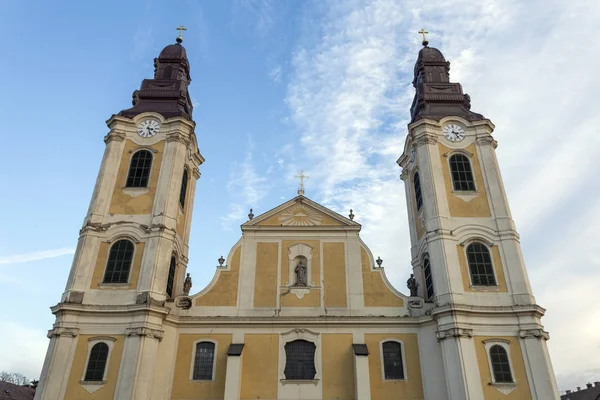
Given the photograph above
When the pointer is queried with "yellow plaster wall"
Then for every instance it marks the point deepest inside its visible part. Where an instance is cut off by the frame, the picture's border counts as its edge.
(311, 299)
(497, 264)
(183, 387)
(338, 366)
(334, 274)
(224, 291)
(100, 267)
(522, 391)
(477, 207)
(74, 388)
(328, 221)
(375, 291)
(265, 280)
(260, 363)
(412, 386)
(420, 230)
(122, 203)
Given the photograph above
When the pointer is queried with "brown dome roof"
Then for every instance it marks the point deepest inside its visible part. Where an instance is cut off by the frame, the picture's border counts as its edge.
(173, 51)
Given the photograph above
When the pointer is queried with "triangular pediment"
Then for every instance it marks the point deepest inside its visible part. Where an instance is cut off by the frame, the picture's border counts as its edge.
(300, 212)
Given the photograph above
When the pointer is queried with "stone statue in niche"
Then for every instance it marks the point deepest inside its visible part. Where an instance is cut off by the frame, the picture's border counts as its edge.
(187, 284)
(300, 274)
(412, 285)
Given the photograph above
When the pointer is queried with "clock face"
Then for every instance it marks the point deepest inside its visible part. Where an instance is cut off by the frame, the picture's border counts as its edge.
(148, 128)
(454, 132)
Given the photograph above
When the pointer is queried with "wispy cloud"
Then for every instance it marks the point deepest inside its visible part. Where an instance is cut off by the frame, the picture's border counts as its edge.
(260, 12)
(247, 184)
(35, 256)
(350, 92)
(142, 42)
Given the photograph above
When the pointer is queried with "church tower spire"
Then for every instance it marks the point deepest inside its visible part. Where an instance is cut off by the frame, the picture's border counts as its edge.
(466, 254)
(132, 252)
(167, 93)
(435, 96)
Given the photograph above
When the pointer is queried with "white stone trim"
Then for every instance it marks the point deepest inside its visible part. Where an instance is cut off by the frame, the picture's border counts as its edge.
(300, 250)
(227, 267)
(193, 352)
(380, 271)
(504, 387)
(92, 386)
(403, 353)
(299, 334)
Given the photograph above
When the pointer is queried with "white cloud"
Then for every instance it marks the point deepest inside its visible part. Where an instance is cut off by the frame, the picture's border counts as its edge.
(349, 94)
(35, 256)
(247, 184)
(24, 350)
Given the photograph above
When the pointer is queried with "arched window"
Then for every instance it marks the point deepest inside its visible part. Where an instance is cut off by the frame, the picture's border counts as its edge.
(182, 192)
(139, 169)
(428, 278)
(392, 360)
(119, 262)
(97, 362)
(167, 72)
(462, 176)
(204, 361)
(480, 265)
(500, 364)
(418, 195)
(171, 277)
(300, 360)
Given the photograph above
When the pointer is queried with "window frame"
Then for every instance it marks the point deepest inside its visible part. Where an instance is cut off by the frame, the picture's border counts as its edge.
(185, 174)
(110, 342)
(468, 157)
(402, 355)
(505, 344)
(135, 151)
(425, 291)
(133, 254)
(290, 336)
(313, 360)
(417, 178)
(193, 360)
(488, 246)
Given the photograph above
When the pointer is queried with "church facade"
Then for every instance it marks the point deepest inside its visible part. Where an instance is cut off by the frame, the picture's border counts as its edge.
(299, 308)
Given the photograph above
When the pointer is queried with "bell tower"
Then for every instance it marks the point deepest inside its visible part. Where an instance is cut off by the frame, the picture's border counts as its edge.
(465, 248)
(132, 251)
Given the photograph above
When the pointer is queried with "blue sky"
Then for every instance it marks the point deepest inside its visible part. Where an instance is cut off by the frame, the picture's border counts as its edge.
(280, 86)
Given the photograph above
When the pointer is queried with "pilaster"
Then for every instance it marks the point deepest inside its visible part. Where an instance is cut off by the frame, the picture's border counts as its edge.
(460, 363)
(57, 364)
(138, 363)
(538, 364)
(234, 367)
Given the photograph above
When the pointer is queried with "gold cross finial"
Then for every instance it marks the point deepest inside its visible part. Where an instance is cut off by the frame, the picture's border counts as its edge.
(424, 32)
(302, 177)
(180, 37)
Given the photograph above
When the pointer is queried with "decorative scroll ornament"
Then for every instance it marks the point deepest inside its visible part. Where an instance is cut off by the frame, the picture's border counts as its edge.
(300, 215)
(70, 332)
(114, 135)
(426, 138)
(145, 332)
(534, 334)
(487, 140)
(184, 302)
(453, 332)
